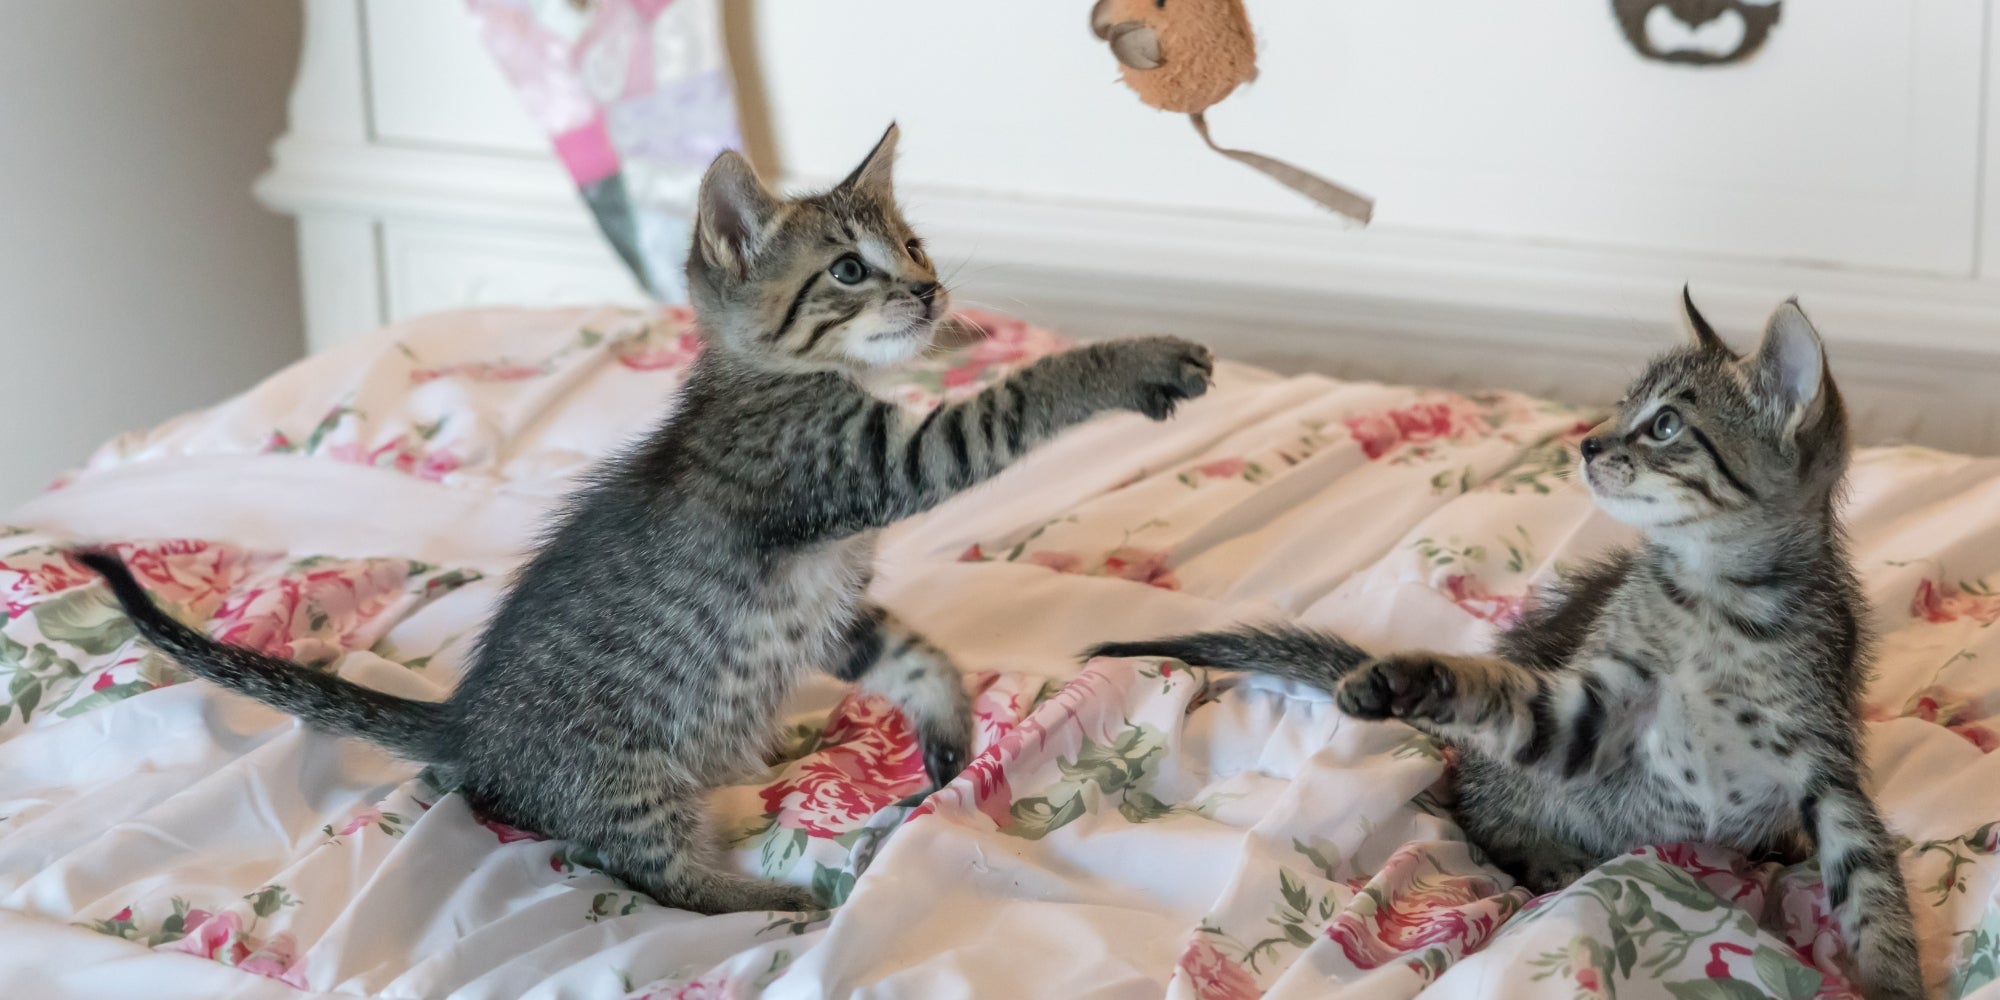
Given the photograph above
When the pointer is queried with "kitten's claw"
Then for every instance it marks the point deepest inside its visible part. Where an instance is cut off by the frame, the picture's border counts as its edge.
(1167, 370)
(930, 690)
(1409, 686)
(945, 755)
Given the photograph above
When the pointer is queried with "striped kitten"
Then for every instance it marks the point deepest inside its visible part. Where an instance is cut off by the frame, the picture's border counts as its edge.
(1703, 686)
(641, 657)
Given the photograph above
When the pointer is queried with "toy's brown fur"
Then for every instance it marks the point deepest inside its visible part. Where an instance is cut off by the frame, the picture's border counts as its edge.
(1205, 46)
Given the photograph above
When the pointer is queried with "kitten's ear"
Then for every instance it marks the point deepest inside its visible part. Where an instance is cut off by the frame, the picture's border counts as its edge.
(1788, 372)
(734, 212)
(873, 176)
(1699, 330)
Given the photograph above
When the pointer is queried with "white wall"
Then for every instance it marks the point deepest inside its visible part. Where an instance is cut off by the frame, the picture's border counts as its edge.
(1537, 213)
(1851, 139)
(137, 277)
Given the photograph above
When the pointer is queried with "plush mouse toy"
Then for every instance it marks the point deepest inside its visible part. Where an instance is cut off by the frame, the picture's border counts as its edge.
(1188, 55)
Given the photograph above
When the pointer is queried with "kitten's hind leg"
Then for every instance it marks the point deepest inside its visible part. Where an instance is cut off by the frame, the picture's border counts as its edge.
(1864, 882)
(667, 852)
(1787, 848)
(1508, 833)
(889, 658)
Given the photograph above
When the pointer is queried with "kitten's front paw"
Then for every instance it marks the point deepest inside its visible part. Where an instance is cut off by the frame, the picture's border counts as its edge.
(1405, 686)
(921, 679)
(1899, 984)
(1544, 877)
(1890, 973)
(728, 892)
(1163, 372)
(789, 899)
(947, 749)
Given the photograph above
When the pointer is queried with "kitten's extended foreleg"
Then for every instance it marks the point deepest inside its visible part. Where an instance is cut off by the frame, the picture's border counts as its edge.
(1287, 651)
(891, 659)
(959, 445)
(891, 466)
(1864, 885)
(1529, 717)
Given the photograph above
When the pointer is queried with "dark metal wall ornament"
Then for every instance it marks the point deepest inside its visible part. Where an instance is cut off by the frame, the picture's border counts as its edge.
(1697, 32)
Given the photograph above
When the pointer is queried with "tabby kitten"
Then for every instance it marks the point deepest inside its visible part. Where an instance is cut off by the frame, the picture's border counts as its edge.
(1703, 686)
(640, 658)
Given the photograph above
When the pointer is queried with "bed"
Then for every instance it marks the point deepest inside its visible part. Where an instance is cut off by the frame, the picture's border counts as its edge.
(1130, 828)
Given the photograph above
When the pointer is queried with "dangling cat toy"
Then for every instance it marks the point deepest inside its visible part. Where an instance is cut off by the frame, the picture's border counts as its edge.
(1187, 55)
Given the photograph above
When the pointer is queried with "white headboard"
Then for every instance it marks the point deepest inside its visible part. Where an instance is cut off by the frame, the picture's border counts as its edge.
(1536, 217)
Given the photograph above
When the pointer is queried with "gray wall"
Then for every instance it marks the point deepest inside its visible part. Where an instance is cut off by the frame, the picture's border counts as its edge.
(137, 277)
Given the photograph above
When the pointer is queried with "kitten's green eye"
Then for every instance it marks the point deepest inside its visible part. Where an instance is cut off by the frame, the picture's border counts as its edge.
(848, 270)
(916, 250)
(1666, 424)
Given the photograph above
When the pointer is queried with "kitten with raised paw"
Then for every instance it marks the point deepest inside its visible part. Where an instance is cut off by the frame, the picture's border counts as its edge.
(1703, 685)
(641, 657)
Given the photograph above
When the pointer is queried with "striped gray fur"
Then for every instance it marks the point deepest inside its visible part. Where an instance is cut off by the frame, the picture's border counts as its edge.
(641, 657)
(1703, 685)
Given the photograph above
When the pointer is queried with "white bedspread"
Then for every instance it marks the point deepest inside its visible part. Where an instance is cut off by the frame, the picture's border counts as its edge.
(1132, 828)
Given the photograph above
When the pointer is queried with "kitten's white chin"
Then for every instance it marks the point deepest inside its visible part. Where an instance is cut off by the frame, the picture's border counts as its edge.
(1629, 512)
(892, 346)
(1641, 512)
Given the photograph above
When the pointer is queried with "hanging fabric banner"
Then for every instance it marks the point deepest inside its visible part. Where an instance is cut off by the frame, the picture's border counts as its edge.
(636, 98)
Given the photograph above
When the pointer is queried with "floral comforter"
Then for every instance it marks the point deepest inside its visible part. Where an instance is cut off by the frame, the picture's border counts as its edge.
(1130, 828)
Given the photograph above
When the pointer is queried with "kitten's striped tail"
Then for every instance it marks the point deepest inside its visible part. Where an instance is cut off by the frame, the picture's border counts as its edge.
(417, 730)
(1286, 651)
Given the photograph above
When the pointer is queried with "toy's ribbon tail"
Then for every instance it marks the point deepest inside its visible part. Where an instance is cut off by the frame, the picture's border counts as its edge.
(1334, 197)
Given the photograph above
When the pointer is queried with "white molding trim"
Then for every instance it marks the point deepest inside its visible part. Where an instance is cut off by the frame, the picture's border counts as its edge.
(1922, 352)
(342, 290)
(311, 174)
(1277, 263)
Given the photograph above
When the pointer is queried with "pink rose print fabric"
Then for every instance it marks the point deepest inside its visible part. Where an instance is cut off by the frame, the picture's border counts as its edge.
(1213, 976)
(1405, 909)
(867, 759)
(1417, 425)
(1126, 827)
(1942, 603)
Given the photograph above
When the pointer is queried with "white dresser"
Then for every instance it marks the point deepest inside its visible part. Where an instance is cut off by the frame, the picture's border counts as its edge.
(1542, 190)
